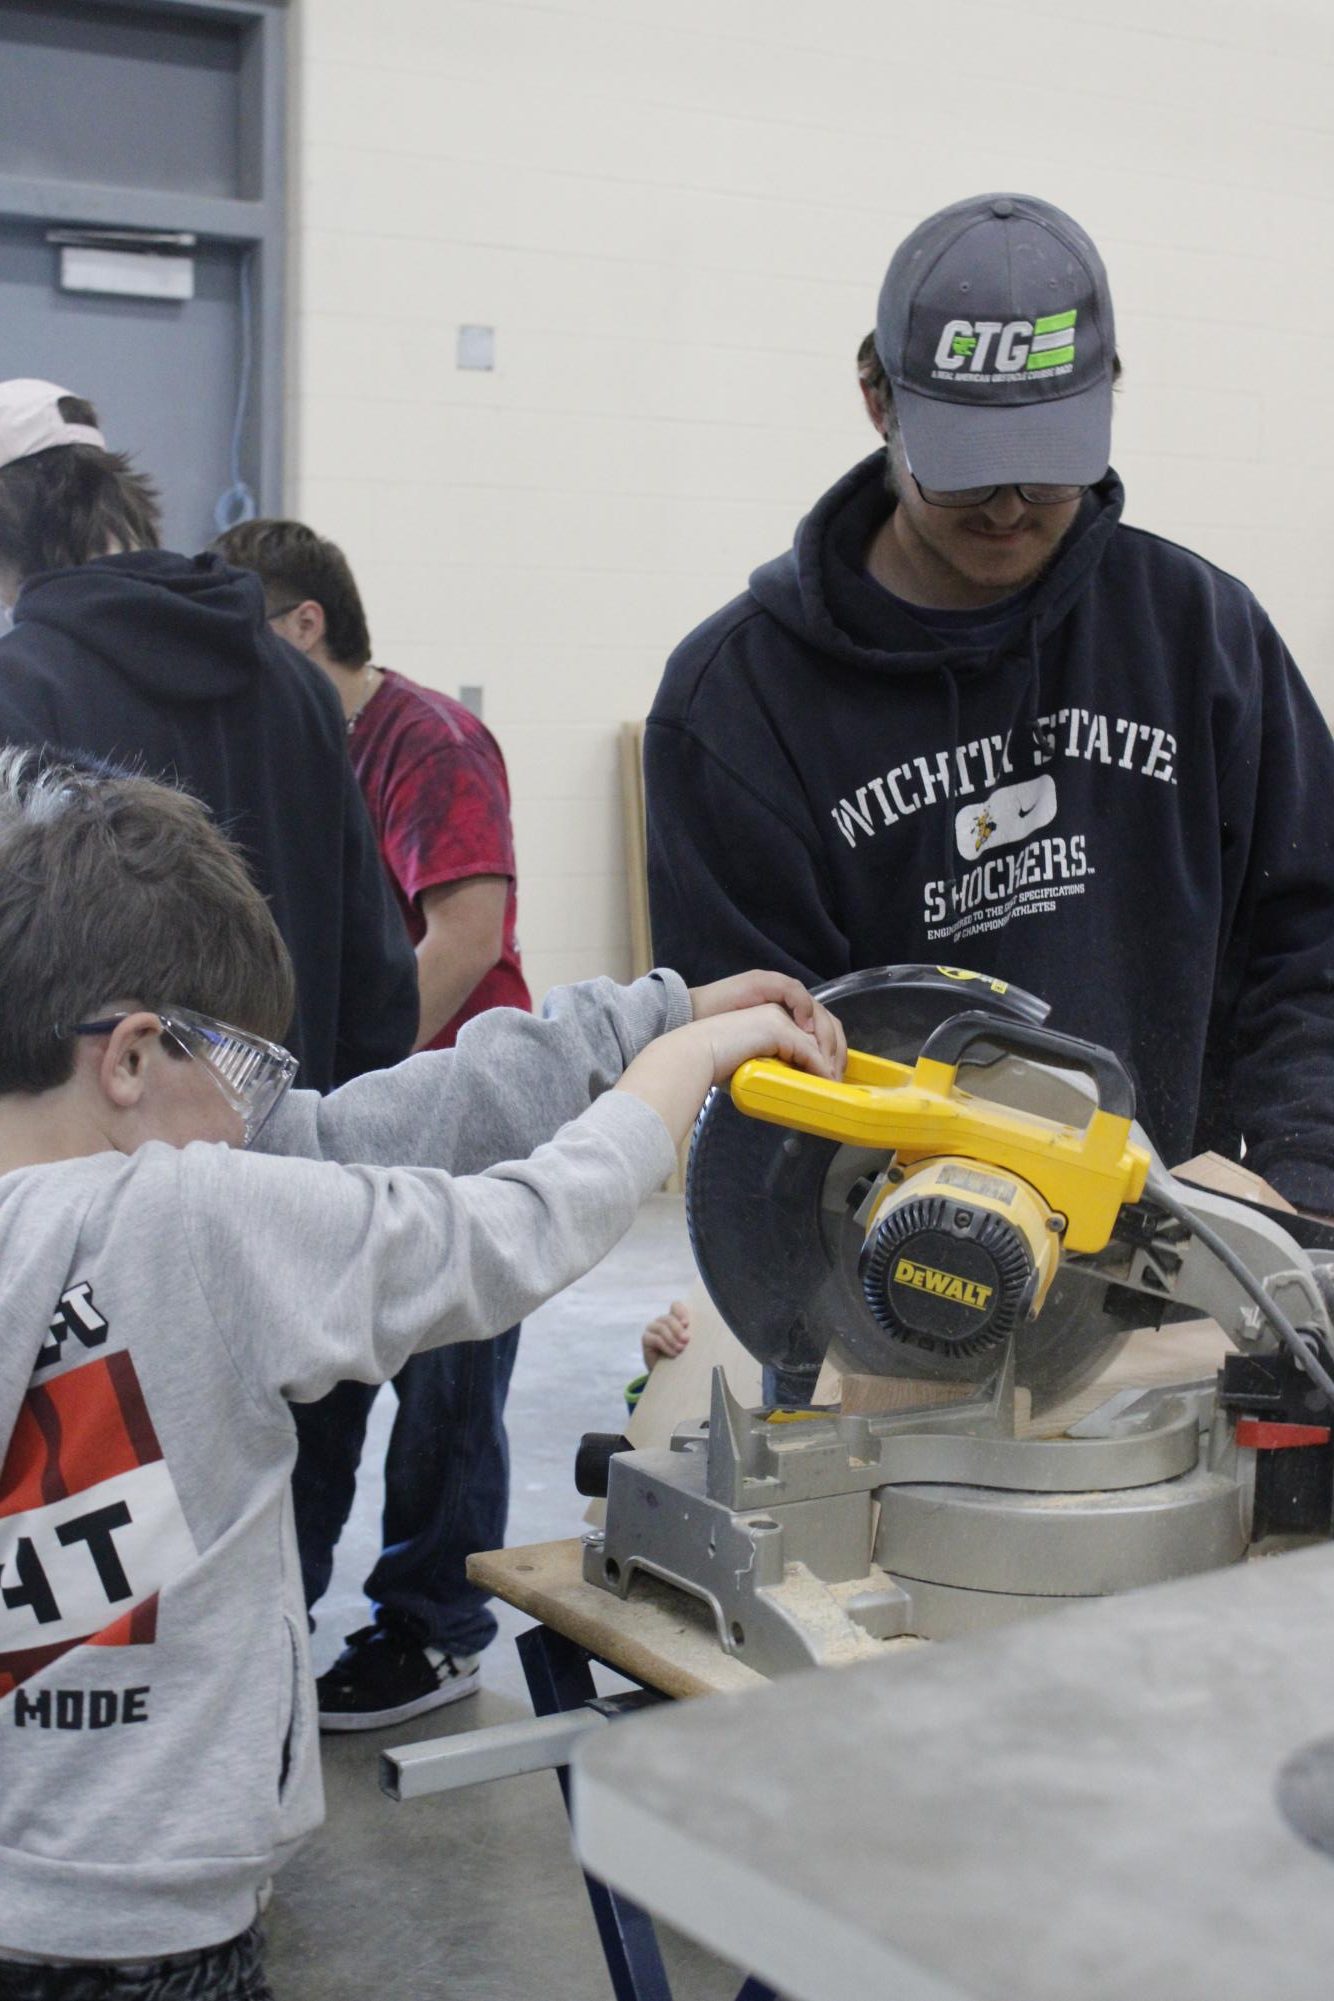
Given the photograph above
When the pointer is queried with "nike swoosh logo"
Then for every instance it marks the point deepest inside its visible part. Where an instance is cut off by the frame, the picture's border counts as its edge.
(1024, 811)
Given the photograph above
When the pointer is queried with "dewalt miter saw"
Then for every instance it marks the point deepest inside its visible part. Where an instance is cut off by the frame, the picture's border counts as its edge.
(973, 1211)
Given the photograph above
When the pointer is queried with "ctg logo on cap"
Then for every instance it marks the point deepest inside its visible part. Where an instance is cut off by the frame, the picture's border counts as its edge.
(995, 330)
(993, 351)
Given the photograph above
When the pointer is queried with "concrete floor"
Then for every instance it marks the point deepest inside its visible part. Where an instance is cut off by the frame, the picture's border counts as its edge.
(475, 1896)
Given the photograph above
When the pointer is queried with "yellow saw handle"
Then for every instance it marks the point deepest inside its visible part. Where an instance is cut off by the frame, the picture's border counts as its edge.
(917, 1112)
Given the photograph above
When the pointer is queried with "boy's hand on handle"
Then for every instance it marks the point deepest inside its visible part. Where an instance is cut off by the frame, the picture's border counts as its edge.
(756, 988)
(767, 1030)
(675, 1074)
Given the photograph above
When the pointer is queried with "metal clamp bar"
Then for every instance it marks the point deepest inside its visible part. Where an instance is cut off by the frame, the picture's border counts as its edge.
(444, 1764)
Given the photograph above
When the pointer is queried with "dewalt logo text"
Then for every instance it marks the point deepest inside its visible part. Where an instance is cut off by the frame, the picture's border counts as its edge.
(944, 1284)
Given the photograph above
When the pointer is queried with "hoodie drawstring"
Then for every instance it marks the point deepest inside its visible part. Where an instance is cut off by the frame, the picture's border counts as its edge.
(951, 871)
(1039, 740)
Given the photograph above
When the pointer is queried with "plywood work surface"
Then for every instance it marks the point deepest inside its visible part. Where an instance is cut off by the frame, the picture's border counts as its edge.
(657, 1636)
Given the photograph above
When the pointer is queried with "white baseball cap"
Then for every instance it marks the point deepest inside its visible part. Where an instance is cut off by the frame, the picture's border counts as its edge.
(30, 420)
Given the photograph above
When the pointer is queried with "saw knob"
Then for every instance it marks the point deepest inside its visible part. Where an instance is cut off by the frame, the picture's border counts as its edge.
(592, 1462)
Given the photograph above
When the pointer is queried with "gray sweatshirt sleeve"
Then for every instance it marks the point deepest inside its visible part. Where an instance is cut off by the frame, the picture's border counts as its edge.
(315, 1272)
(512, 1080)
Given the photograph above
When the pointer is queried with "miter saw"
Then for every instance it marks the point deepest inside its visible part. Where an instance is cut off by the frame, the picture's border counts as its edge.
(972, 1211)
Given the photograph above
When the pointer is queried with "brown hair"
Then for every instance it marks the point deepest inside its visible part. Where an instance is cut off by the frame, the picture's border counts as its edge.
(870, 368)
(294, 563)
(72, 503)
(116, 888)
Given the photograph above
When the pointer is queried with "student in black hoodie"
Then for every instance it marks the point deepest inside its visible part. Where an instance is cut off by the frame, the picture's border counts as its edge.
(971, 717)
(166, 664)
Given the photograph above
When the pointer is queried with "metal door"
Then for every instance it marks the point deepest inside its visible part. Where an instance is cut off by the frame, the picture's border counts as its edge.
(163, 374)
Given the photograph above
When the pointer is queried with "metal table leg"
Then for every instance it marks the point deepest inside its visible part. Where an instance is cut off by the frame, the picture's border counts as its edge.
(560, 1678)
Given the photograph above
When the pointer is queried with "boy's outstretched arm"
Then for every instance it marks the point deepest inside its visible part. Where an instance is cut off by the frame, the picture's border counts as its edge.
(315, 1272)
(514, 1079)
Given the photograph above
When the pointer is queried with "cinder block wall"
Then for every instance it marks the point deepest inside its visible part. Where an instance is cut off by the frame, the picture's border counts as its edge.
(676, 215)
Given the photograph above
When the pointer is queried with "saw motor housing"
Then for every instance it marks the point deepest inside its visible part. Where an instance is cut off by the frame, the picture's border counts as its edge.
(957, 1255)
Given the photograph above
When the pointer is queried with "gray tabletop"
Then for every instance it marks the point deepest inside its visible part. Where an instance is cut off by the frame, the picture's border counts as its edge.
(1079, 1808)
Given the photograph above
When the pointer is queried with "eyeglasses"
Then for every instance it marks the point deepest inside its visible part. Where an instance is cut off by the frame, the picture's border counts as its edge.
(1038, 495)
(251, 1074)
(282, 610)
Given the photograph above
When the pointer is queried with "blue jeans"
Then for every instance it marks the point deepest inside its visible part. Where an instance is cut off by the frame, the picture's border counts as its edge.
(446, 1486)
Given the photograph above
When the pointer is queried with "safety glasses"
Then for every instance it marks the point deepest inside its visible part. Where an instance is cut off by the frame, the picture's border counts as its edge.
(252, 1074)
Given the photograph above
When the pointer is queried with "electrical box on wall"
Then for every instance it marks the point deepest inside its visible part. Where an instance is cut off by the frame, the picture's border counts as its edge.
(476, 347)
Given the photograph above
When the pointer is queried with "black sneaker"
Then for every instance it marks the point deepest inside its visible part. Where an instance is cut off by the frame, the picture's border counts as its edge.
(386, 1674)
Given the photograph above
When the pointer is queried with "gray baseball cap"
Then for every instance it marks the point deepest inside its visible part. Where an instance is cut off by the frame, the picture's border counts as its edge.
(995, 330)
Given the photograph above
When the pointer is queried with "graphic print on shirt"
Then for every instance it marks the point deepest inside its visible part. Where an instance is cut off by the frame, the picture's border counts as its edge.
(1013, 867)
(1011, 813)
(91, 1527)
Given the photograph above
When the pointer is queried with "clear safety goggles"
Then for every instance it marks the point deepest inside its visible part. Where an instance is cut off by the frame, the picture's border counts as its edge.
(251, 1074)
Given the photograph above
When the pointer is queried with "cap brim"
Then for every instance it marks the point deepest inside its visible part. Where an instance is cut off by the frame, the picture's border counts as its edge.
(1064, 440)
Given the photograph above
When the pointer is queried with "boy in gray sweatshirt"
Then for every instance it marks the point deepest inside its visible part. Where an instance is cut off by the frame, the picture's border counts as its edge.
(165, 1292)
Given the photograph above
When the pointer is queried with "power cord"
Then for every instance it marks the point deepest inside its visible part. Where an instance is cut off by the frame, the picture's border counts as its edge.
(1161, 1189)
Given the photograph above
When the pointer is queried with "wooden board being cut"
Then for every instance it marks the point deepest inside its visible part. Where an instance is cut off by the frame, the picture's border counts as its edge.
(678, 1390)
(1190, 1352)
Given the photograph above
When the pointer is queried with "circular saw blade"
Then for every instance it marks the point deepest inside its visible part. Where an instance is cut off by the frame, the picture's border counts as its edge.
(773, 1231)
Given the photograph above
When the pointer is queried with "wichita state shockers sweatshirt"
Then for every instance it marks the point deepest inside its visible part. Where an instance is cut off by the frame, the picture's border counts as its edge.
(1114, 789)
(158, 1750)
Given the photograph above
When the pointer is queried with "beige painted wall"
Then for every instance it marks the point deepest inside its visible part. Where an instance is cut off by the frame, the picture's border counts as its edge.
(676, 215)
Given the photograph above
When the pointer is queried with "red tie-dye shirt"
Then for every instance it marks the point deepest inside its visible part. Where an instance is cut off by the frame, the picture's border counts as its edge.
(435, 784)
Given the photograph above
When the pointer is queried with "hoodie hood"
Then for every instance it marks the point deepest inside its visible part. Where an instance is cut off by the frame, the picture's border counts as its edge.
(819, 591)
(180, 628)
